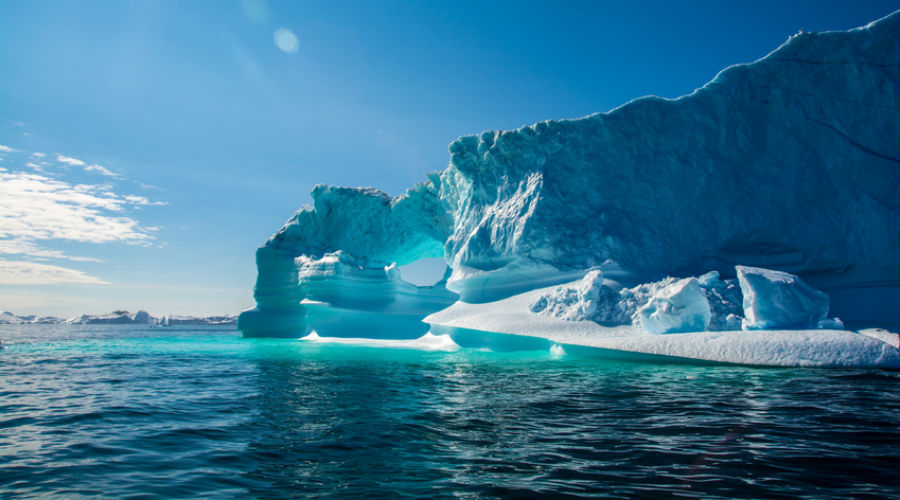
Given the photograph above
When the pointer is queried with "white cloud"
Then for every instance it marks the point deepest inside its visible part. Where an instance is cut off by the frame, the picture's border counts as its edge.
(68, 160)
(19, 246)
(7, 149)
(142, 201)
(36, 207)
(101, 170)
(31, 273)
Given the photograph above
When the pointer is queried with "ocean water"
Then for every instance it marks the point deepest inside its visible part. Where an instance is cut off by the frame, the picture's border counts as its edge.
(128, 413)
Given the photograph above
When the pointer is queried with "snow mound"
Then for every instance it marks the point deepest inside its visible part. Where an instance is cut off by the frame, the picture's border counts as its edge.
(679, 307)
(769, 300)
(666, 306)
(576, 303)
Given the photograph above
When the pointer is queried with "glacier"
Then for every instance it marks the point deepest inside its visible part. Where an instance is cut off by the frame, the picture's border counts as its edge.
(633, 223)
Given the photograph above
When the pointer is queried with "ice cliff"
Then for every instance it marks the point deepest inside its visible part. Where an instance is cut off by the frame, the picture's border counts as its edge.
(789, 163)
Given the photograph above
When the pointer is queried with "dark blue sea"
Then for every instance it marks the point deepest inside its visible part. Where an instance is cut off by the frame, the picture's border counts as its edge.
(129, 413)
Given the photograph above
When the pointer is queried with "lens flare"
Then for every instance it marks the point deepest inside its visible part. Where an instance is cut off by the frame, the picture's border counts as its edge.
(286, 40)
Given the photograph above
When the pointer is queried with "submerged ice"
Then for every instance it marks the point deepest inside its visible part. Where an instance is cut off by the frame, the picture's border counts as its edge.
(632, 218)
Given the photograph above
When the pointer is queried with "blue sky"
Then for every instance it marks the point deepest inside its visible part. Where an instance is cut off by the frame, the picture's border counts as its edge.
(147, 148)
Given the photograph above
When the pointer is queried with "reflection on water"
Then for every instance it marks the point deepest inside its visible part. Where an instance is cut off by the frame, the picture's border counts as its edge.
(112, 412)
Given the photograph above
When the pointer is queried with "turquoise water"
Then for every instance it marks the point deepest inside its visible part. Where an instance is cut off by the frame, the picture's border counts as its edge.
(121, 412)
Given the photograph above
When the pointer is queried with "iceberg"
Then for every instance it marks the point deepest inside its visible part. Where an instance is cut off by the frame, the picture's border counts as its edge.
(176, 320)
(630, 222)
(775, 300)
(114, 318)
(8, 318)
(119, 317)
(789, 163)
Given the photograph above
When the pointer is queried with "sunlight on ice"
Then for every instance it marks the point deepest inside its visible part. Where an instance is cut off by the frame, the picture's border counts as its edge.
(427, 342)
(557, 350)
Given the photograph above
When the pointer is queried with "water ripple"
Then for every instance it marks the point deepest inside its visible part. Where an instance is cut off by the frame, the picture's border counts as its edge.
(164, 413)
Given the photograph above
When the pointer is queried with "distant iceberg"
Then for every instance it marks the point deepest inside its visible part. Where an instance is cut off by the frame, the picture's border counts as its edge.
(120, 317)
(663, 218)
(114, 318)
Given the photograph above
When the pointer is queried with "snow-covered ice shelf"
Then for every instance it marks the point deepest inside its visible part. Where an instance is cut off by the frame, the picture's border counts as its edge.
(476, 325)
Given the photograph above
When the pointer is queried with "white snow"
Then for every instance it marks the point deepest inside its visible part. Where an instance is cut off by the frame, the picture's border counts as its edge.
(831, 348)
(513, 316)
(666, 306)
(883, 335)
(677, 308)
(583, 301)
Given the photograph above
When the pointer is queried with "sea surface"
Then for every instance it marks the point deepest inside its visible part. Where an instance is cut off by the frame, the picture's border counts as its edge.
(128, 412)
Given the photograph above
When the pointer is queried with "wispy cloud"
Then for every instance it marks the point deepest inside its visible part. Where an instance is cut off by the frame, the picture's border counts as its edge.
(32, 273)
(19, 246)
(75, 162)
(142, 201)
(102, 171)
(38, 207)
(68, 160)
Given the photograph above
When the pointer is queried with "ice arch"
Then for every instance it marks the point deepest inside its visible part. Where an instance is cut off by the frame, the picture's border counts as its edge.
(333, 266)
